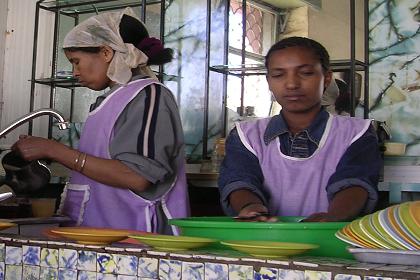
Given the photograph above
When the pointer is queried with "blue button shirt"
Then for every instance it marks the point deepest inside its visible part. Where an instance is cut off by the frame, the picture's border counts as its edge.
(359, 166)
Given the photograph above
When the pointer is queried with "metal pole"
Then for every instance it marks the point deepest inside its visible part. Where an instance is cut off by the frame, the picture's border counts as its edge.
(243, 55)
(54, 68)
(162, 32)
(352, 57)
(206, 81)
(225, 62)
(34, 53)
(366, 59)
(143, 11)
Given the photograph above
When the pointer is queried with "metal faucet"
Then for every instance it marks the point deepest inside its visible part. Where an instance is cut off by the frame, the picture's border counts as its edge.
(62, 123)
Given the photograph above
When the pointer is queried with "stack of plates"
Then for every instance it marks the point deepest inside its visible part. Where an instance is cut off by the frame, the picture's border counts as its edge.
(396, 228)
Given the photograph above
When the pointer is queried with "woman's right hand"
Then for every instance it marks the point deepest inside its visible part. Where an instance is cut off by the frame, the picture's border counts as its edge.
(33, 148)
(255, 212)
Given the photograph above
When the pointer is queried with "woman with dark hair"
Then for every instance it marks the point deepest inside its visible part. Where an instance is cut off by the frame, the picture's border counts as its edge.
(304, 161)
(128, 171)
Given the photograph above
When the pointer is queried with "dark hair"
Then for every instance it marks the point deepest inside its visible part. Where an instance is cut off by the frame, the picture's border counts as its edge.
(134, 32)
(303, 42)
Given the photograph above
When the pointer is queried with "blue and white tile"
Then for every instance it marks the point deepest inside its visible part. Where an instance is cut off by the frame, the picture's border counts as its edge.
(266, 273)
(13, 255)
(48, 273)
(106, 276)
(347, 277)
(148, 268)
(376, 278)
(67, 258)
(317, 275)
(67, 274)
(288, 274)
(86, 275)
(127, 277)
(49, 257)
(170, 269)
(13, 272)
(243, 272)
(2, 251)
(127, 265)
(106, 263)
(31, 255)
(31, 272)
(215, 271)
(86, 261)
(2, 266)
(193, 271)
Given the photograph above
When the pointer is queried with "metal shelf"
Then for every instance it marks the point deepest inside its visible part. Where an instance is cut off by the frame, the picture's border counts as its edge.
(259, 69)
(76, 7)
(70, 82)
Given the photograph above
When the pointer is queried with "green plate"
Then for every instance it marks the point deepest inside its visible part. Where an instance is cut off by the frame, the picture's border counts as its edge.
(269, 249)
(173, 243)
(287, 229)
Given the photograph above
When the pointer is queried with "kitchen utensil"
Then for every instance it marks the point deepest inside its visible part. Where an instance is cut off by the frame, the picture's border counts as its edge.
(286, 229)
(269, 249)
(24, 177)
(43, 207)
(6, 195)
(173, 243)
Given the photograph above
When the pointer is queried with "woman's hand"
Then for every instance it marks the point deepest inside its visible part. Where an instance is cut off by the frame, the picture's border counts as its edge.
(255, 212)
(33, 148)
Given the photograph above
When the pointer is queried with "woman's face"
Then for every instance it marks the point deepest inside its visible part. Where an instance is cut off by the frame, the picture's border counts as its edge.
(297, 80)
(91, 68)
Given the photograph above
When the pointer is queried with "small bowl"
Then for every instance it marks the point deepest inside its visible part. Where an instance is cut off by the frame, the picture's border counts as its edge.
(394, 149)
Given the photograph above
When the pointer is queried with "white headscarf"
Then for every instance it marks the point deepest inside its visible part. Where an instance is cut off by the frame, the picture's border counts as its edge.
(103, 30)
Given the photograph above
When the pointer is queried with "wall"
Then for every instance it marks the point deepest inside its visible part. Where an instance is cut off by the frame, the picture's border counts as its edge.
(15, 85)
(330, 26)
(395, 67)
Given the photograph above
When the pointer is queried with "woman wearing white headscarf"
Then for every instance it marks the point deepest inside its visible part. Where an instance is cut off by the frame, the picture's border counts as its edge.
(128, 171)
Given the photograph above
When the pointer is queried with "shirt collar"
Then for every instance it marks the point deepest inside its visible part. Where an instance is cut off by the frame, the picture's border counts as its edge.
(278, 126)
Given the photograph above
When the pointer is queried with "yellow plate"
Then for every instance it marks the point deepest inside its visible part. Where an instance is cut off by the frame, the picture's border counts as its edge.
(353, 230)
(397, 228)
(5, 225)
(269, 249)
(343, 237)
(408, 220)
(415, 212)
(173, 243)
(93, 236)
(367, 227)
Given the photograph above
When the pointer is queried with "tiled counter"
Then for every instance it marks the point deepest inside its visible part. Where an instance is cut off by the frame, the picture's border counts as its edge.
(22, 258)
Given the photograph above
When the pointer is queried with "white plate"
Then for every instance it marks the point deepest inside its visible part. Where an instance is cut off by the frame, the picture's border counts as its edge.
(386, 256)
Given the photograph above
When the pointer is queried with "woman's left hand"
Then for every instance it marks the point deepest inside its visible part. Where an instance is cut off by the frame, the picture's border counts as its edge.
(33, 148)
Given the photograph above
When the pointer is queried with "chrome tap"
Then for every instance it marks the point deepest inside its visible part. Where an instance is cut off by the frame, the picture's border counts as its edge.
(62, 123)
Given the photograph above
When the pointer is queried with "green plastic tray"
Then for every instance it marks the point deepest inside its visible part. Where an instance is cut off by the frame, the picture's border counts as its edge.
(287, 229)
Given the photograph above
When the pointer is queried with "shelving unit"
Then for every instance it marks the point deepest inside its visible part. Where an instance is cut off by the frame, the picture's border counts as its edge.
(352, 65)
(73, 9)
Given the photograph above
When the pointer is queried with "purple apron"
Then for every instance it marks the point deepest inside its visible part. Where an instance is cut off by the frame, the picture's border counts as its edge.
(297, 186)
(90, 203)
